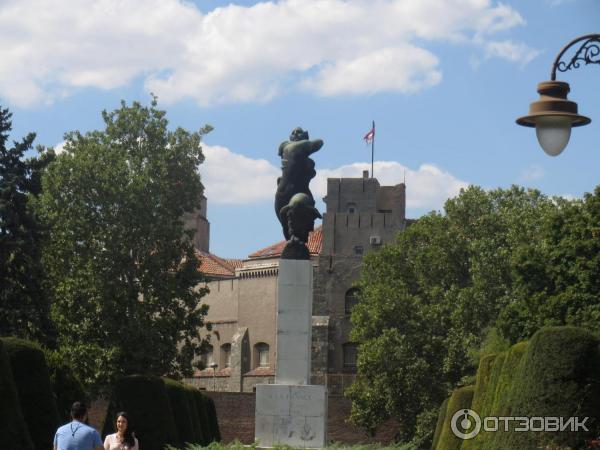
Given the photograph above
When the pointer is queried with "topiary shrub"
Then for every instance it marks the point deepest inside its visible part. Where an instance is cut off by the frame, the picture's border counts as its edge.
(501, 405)
(190, 392)
(483, 398)
(440, 423)
(182, 411)
(460, 399)
(13, 429)
(559, 376)
(213, 419)
(147, 404)
(66, 386)
(32, 380)
(202, 408)
(510, 368)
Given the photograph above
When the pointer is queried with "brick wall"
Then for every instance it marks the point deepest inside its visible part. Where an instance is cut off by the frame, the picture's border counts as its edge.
(236, 420)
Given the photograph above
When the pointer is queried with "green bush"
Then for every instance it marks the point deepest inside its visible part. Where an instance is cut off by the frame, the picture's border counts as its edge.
(147, 404)
(506, 374)
(440, 423)
(483, 398)
(190, 392)
(32, 380)
(213, 420)
(559, 376)
(508, 371)
(182, 411)
(13, 429)
(202, 406)
(66, 386)
(460, 399)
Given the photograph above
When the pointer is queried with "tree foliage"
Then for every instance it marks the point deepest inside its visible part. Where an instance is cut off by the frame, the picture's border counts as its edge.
(24, 307)
(558, 278)
(427, 301)
(123, 272)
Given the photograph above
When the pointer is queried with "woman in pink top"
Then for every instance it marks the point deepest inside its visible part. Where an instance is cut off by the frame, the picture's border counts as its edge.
(123, 439)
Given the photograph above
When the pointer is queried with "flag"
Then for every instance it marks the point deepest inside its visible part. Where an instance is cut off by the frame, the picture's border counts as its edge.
(370, 135)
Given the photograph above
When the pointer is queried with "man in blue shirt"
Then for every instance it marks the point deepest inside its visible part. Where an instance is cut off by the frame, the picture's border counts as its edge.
(77, 435)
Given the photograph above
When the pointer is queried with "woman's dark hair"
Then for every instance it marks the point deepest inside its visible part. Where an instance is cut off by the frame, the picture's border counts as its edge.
(128, 436)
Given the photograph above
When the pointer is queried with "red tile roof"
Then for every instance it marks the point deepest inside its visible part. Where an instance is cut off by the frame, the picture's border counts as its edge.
(261, 372)
(315, 243)
(208, 373)
(212, 265)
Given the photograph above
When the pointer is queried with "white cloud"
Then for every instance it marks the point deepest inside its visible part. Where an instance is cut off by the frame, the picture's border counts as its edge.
(232, 178)
(52, 48)
(60, 147)
(532, 173)
(428, 187)
(407, 69)
(511, 51)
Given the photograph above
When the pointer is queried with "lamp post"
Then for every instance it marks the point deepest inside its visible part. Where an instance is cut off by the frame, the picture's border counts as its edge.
(553, 115)
(214, 368)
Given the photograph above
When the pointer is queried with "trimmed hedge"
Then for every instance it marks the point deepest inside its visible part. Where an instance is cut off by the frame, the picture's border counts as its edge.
(440, 423)
(213, 420)
(13, 429)
(202, 407)
(559, 376)
(508, 372)
(147, 404)
(483, 398)
(460, 399)
(502, 406)
(32, 380)
(182, 412)
(66, 387)
(195, 416)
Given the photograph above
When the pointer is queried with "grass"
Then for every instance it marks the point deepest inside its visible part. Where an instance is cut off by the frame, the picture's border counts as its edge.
(333, 446)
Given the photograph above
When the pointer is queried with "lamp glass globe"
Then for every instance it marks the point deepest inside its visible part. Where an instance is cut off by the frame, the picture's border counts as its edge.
(553, 133)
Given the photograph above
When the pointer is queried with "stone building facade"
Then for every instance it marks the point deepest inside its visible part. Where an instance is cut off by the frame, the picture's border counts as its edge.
(360, 216)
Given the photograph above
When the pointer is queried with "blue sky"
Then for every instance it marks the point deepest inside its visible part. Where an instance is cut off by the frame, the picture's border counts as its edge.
(444, 81)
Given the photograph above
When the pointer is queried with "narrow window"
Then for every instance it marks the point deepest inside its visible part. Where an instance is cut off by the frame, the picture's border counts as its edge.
(350, 354)
(351, 300)
(207, 356)
(226, 355)
(262, 354)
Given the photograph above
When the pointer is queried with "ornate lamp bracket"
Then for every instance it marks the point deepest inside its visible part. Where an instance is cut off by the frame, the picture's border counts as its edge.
(587, 53)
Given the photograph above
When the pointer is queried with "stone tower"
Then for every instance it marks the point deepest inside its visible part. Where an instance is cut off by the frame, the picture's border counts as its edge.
(199, 223)
(360, 216)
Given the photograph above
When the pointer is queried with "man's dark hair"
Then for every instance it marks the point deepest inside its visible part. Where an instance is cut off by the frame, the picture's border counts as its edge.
(78, 410)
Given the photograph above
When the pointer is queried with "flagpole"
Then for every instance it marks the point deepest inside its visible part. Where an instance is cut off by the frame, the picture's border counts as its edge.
(372, 150)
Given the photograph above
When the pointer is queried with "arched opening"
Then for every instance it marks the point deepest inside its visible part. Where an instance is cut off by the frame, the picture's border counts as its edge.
(350, 300)
(207, 357)
(225, 355)
(261, 355)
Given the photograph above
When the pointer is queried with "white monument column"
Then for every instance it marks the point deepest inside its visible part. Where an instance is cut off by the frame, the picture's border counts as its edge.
(291, 411)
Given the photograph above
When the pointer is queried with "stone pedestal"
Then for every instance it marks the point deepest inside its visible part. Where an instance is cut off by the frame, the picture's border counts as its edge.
(294, 321)
(292, 412)
(294, 415)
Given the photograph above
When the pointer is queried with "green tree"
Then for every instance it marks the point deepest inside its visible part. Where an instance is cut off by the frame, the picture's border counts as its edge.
(122, 268)
(427, 300)
(559, 278)
(24, 306)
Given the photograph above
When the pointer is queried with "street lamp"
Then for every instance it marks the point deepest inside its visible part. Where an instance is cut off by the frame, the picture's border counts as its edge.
(214, 368)
(553, 115)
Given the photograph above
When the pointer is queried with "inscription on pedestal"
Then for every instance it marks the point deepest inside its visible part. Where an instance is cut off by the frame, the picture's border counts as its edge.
(291, 415)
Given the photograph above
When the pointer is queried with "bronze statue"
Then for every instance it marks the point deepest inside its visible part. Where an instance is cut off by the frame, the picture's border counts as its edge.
(297, 169)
